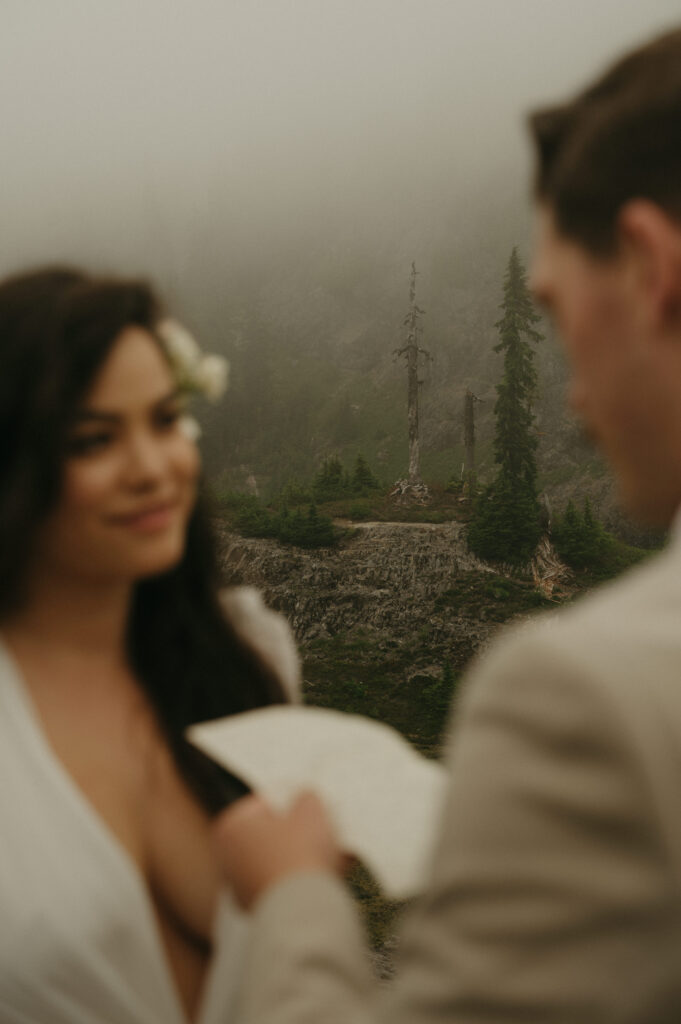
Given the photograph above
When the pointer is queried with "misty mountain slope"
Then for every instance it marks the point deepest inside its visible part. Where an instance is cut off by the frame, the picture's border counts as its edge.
(314, 373)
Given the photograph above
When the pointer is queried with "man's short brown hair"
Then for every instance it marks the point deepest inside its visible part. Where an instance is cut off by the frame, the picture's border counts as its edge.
(620, 139)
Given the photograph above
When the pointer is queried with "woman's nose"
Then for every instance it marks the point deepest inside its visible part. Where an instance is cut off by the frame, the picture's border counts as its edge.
(146, 459)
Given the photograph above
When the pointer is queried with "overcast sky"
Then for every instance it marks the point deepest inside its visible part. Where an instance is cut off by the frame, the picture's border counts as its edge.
(135, 131)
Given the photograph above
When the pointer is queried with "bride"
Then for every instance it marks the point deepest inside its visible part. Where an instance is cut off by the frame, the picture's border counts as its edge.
(114, 636)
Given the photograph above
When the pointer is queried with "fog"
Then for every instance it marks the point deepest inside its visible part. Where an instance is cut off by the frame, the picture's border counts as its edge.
(220, 136)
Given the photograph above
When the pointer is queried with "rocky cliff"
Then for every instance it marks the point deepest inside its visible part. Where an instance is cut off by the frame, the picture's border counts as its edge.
(401, 586)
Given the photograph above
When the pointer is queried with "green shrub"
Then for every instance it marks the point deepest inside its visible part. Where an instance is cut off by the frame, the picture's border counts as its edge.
(318, 530)
(454, 486)
(313, 530)
(583, 544)
(438, 696)
(333, 481)
(295, 493)
(363, 480)
(505, 525)
(359, 510)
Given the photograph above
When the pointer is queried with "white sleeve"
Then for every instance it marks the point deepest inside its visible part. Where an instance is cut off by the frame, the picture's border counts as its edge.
(267, 633)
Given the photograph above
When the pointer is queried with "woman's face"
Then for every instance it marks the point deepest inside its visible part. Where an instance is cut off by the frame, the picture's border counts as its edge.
(130, 473)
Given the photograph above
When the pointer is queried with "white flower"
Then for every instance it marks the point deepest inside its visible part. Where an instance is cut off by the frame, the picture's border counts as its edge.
(193, 372)
(210, 376)
(190, 427)
(180, 346)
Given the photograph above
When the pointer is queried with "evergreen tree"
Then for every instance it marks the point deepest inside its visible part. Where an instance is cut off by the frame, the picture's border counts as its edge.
(580, 539)
(312, 531)
(515, 442)
(595, 541)
(506, 523)
(331, 473)
(331, 481)
(318, 531)
(362, 478)
(568, 536)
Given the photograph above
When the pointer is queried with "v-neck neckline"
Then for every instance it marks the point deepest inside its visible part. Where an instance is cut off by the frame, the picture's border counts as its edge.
(109, 843)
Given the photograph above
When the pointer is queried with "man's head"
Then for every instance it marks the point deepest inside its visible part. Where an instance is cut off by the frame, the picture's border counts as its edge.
(608, 264)
(619, 139)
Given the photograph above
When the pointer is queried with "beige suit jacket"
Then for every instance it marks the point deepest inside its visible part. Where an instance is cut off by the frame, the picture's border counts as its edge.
(555, 888)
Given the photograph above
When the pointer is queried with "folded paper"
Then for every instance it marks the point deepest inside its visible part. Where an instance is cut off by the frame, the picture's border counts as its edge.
(383, 797)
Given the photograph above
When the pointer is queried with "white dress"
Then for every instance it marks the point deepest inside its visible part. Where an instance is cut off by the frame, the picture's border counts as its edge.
(79, 942)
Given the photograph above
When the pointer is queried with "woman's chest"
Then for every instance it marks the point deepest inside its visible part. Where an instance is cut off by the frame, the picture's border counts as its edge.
(116, 757)
(110, 743)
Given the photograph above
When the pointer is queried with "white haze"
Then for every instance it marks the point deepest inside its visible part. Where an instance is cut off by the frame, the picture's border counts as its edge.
(174, 137)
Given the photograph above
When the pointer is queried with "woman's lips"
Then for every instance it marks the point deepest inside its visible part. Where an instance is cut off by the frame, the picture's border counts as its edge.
(150, 520)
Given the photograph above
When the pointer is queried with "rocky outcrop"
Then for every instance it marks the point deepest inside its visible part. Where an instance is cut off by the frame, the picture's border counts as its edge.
(386, 578)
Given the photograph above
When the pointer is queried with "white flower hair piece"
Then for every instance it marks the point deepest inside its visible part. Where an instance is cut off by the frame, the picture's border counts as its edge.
(190, 427)
(194, 371)
(211, 376)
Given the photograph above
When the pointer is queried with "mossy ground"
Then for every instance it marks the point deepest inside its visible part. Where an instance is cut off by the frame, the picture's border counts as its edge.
(380, 506)
(491, 596)
(373, 506)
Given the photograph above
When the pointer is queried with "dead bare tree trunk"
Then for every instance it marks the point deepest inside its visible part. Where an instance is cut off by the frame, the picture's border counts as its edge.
(413, 413)
(412, 351)
(469, 442)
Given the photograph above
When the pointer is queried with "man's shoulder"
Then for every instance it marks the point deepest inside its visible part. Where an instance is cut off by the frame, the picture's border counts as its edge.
(636, 610)
(639, 611)
(621, 644)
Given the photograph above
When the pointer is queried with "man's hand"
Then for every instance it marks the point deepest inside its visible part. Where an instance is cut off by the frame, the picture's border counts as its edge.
(257, 846)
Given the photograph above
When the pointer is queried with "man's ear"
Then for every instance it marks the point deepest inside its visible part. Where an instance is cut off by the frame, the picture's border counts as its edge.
(651, 241)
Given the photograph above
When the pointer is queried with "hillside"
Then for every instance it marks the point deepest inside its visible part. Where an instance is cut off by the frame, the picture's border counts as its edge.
(386, 616)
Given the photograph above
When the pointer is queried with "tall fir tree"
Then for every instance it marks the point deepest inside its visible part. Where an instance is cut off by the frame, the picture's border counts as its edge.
(506, 524)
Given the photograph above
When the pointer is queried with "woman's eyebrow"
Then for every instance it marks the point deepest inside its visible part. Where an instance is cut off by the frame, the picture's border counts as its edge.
(102, 416)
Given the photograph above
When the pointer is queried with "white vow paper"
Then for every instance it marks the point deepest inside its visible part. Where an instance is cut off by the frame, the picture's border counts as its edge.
(384, 798)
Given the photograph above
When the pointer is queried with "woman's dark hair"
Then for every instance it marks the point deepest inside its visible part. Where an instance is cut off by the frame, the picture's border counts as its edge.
(618, 140)
(57, 327)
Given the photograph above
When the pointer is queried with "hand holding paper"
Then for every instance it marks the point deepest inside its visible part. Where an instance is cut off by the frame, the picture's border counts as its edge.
(383, 798)
(258, 846)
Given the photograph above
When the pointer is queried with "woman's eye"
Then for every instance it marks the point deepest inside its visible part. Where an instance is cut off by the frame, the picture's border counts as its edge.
(85, 444)
(168, 418)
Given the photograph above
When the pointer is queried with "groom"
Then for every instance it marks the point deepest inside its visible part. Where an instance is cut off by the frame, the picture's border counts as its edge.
(555, 890)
